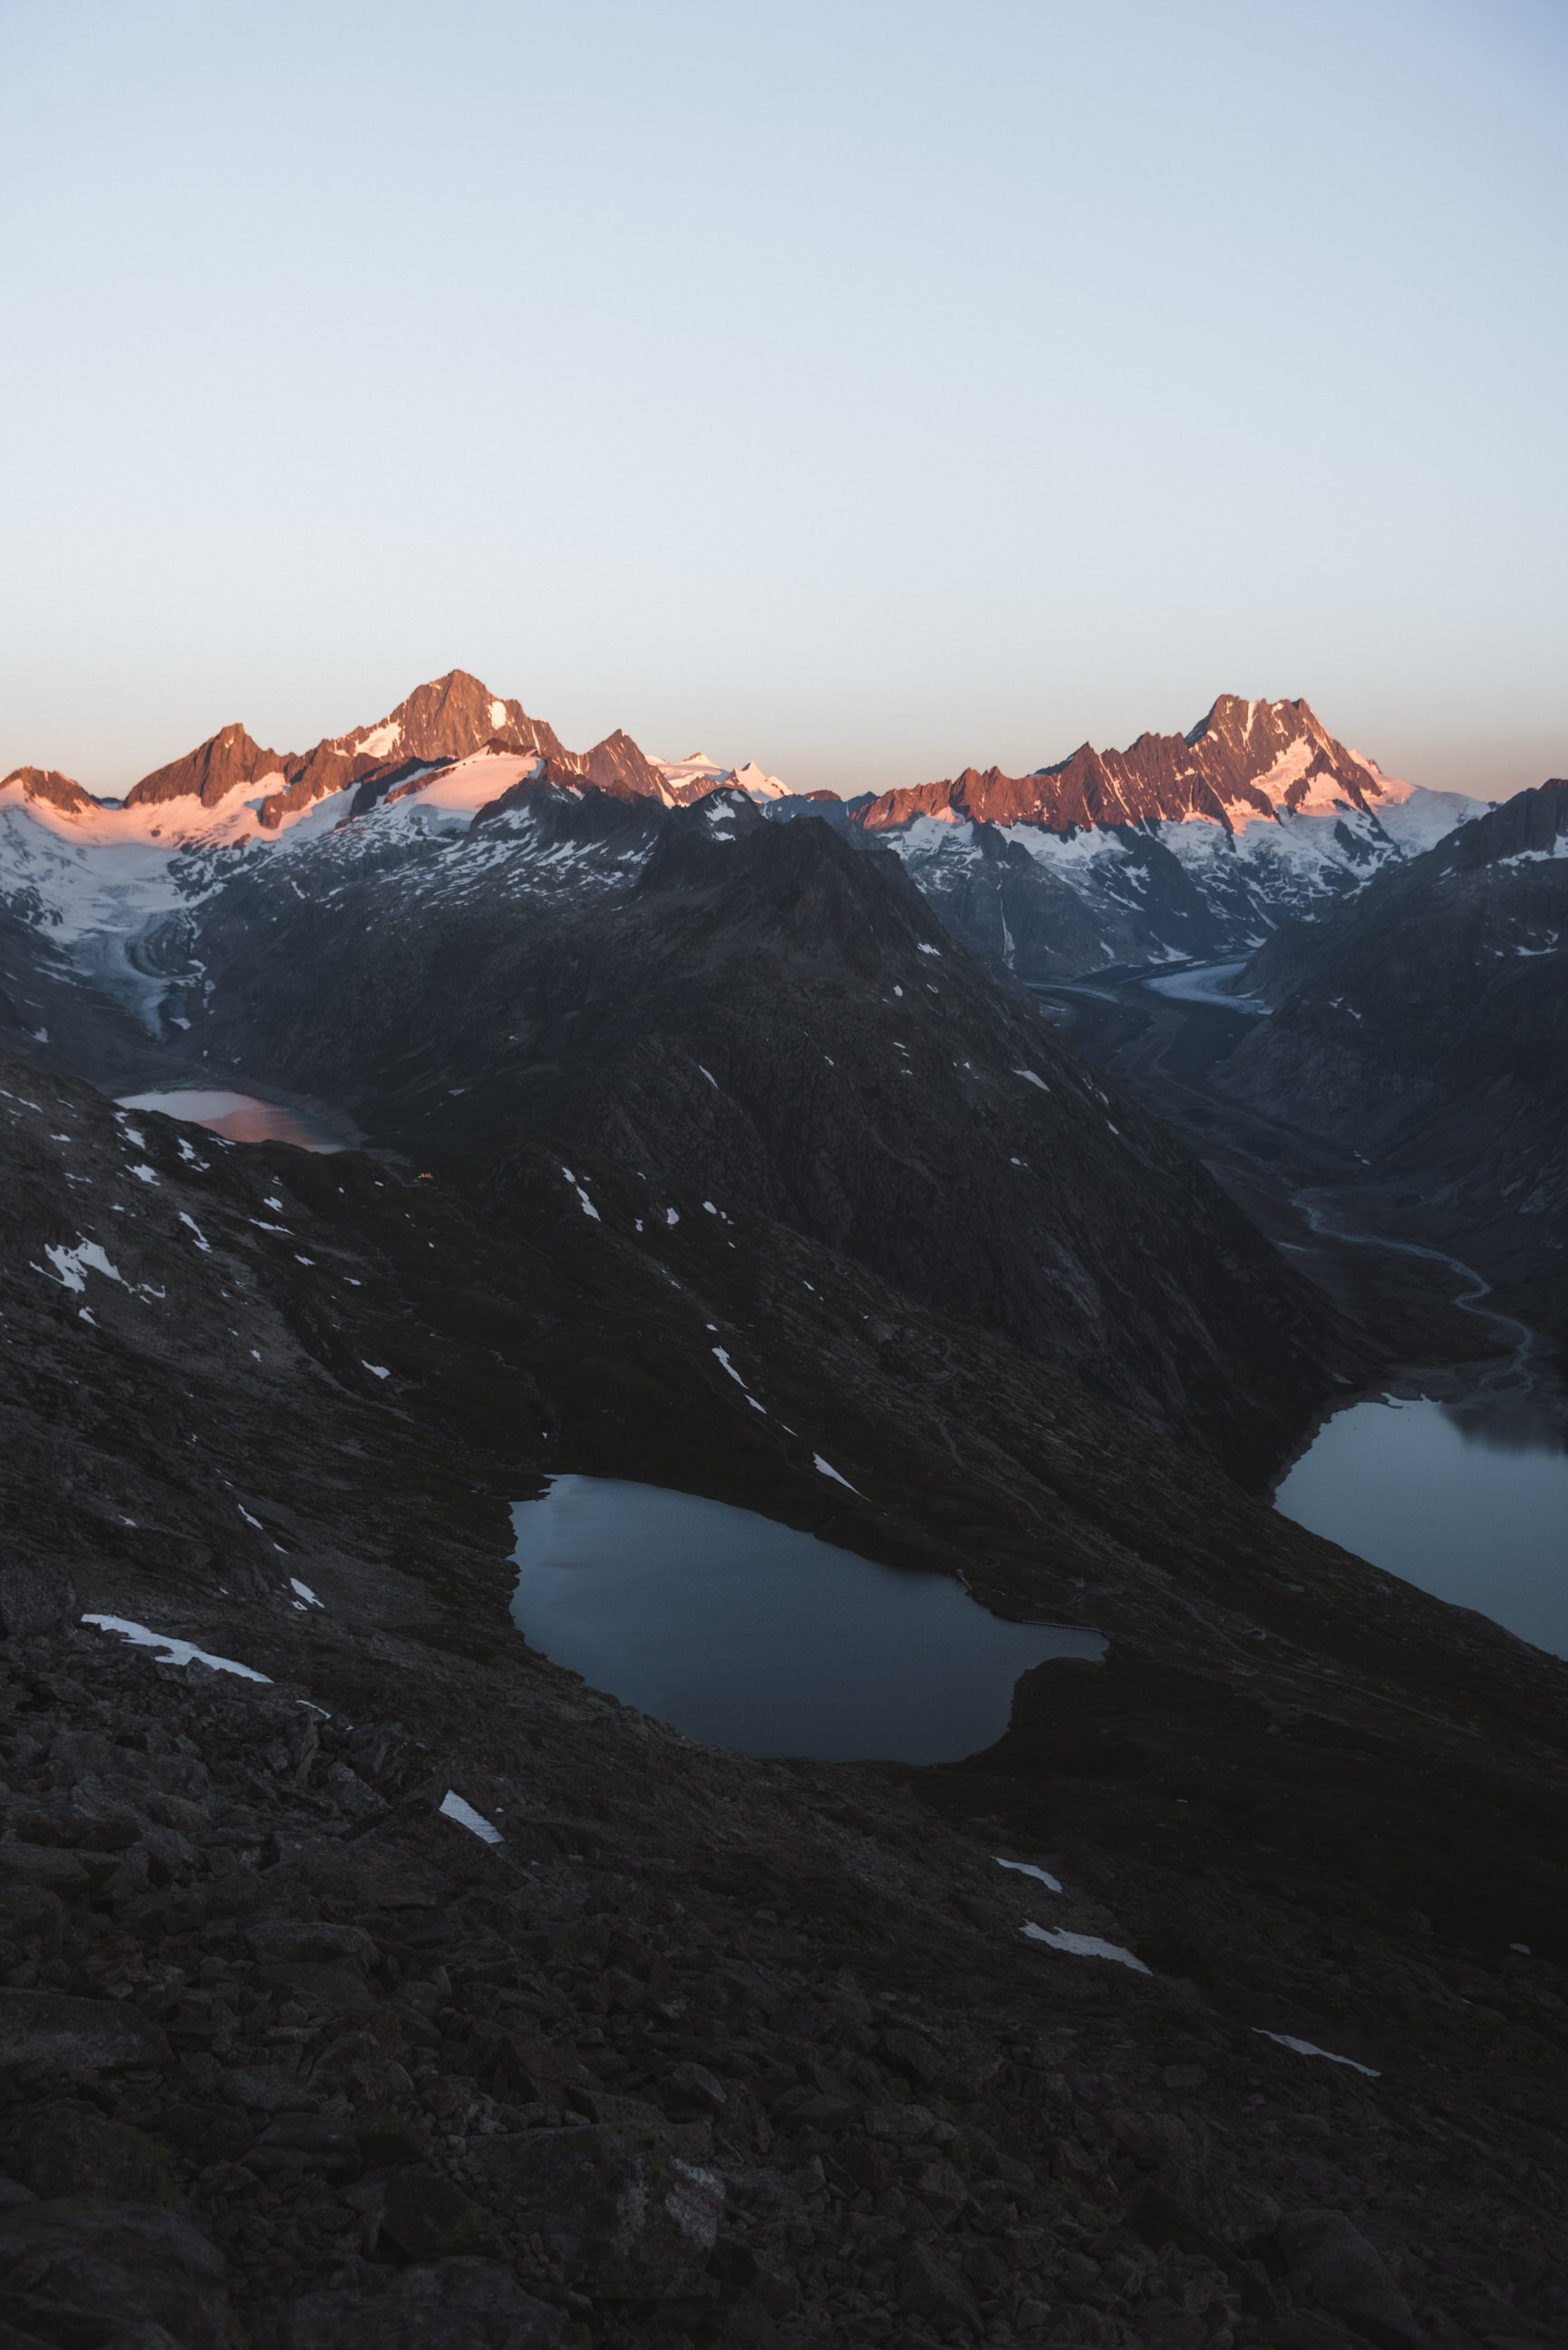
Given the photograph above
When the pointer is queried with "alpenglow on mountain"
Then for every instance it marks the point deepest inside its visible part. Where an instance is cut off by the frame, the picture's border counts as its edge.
(1181, 846)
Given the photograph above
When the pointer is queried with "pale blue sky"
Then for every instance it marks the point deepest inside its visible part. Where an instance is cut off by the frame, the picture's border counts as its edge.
(861, 389)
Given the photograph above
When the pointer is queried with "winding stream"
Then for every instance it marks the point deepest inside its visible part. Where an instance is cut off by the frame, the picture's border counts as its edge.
(1456, 1478)
(1467, 1496)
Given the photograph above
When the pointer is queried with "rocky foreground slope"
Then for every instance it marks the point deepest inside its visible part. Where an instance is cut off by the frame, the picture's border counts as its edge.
(739, 2051)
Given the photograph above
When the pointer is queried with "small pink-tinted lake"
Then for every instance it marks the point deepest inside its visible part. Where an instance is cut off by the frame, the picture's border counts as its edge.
(239, 1118)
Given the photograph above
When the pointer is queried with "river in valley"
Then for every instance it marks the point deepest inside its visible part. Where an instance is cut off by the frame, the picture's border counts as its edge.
(1458, 1481)
(745, 1633)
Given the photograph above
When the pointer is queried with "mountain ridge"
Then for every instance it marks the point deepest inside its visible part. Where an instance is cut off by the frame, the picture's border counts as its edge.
(1212, 771)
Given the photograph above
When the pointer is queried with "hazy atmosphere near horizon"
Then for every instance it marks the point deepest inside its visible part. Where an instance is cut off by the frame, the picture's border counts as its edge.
(862, 390)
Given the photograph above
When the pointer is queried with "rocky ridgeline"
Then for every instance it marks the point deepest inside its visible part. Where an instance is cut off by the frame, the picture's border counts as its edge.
(703, 2050)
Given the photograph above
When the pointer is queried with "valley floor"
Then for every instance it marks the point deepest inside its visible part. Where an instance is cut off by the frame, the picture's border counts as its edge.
(1345, 1228)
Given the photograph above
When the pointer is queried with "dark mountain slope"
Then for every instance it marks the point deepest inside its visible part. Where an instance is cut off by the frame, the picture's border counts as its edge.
(1426, 1022)
(765, 1017)
(262, 1916)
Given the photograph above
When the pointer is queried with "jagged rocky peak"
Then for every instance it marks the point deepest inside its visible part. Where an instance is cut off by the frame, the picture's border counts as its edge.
(617, 765)
(1281, 754)
(1244, 761)
(450, 718)
(210, 772)
(48, 783)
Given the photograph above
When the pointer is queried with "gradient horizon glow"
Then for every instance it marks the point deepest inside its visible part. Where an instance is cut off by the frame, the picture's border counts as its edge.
(867, 390)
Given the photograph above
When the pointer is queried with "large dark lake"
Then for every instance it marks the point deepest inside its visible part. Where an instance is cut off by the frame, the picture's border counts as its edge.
(1467, 1499)
(746, 1633)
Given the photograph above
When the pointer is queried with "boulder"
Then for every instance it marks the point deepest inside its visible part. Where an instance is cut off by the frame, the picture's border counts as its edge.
(931, 2288)
(469, 2303)
(135, 2263)
(46, 2027)
(296, 2142)
(70, 2149)
(537, 2071)
(428, 2219)
(627, 2217)
(331, 1989)
(693, 2084)
(307, 1941)
(33, 1599)
(1333, 2266)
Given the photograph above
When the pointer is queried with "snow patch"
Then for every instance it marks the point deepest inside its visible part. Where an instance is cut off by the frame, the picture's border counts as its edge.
(825, 1469)
(1307, 2048)
(175, 1652)
(1027, 1868)
(1084, 1945)
(381, 741)
(454, 1808)
(70, 1265)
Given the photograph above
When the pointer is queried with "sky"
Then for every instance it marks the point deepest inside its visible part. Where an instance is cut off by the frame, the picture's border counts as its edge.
(867, 389)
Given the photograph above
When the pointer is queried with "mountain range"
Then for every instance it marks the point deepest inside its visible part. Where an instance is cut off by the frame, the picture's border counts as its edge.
(1181, 846)
(370, 1983)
